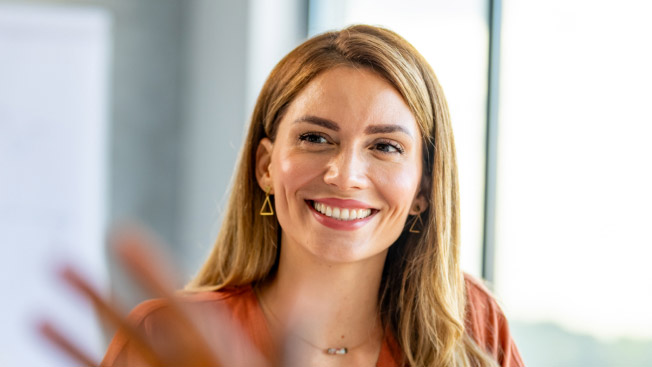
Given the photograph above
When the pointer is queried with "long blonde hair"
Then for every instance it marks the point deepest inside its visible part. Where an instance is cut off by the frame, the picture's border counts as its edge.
(422, 295)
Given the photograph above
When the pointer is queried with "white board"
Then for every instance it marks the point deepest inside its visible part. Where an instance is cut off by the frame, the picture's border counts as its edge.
(53, 137)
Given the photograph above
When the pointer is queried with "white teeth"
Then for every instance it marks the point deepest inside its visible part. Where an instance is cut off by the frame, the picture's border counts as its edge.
(344, 215)
(341, 214)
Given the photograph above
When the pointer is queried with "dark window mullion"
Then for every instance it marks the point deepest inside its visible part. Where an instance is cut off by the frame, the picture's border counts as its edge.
(489, 245)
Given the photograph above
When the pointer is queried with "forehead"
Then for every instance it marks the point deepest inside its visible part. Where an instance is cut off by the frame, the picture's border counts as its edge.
(353, 97)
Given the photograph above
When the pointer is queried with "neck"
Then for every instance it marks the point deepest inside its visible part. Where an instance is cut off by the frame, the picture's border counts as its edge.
(326, 304)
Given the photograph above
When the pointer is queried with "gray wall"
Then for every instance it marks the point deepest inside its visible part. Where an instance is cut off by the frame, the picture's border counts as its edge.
(146, 111)
(147, 122)
(178, 118)
(215, 54)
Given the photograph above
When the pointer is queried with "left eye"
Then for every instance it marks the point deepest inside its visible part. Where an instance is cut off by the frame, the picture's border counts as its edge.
(313, 138)
(388, 147)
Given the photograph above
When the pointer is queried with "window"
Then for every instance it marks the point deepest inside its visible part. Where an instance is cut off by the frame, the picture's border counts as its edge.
(574, 199)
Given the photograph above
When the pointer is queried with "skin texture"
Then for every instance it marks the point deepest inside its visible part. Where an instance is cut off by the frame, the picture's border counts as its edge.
(370, 151)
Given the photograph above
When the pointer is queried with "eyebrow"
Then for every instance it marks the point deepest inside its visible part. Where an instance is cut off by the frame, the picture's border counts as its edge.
(372, 129)
(320, 121)
(385, 129)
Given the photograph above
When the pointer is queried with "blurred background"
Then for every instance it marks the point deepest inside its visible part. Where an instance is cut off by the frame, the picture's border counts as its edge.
(134, 110)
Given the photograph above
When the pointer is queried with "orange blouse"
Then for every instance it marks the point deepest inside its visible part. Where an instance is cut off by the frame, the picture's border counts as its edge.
(485, 323)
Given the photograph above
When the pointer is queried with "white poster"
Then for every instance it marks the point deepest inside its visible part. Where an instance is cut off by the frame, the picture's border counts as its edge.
(53, 138)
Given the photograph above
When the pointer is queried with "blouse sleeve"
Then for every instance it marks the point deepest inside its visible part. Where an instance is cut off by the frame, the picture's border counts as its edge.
(488, 326)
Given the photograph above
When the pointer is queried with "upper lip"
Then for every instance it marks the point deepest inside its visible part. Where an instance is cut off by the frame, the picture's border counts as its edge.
(344, 203)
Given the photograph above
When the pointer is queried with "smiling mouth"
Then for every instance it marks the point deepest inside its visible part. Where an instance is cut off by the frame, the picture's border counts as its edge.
(343, 214)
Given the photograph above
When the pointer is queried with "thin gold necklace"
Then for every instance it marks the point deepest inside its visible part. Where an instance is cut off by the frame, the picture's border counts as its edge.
(331, 350)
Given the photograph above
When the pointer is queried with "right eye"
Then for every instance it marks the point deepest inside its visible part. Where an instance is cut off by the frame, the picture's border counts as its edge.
(313, 138)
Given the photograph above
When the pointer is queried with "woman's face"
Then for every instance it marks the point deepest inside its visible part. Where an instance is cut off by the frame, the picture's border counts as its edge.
(345, 168)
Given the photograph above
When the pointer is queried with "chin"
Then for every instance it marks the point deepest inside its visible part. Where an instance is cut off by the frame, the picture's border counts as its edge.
(342, 252)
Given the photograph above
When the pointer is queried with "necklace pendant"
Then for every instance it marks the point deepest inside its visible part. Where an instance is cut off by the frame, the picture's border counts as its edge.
(334, 351)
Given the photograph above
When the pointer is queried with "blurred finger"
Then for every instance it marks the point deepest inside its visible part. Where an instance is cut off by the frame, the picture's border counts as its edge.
(56, 337)
(293, 322)
(135, 249)
(137, 252)
(228, 344)
(110, 314)
(231, 344)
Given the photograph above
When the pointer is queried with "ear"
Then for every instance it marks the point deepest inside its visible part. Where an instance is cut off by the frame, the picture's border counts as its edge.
(420, 204)
(263, 165)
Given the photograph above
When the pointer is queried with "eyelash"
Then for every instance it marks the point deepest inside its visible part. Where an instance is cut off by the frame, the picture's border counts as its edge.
(310, 139)
(399, 149)
(308, 136)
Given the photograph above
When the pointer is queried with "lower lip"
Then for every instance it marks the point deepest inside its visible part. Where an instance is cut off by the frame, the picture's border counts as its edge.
(343, 225)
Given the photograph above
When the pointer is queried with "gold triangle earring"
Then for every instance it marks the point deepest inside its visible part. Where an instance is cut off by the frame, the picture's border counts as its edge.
(267, 209)
(417, 223)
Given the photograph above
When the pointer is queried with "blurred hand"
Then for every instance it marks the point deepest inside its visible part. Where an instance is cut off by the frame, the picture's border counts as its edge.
(190, 347)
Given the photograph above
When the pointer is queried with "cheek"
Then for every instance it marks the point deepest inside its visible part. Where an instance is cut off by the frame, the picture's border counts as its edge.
(398, 185)
(296, 170)
(292, 174)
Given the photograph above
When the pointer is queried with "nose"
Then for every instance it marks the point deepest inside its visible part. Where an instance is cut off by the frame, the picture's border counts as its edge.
(347, 170)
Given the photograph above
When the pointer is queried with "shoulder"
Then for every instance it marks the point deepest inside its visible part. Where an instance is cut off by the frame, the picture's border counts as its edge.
(479, 299)
(232, 297)
(487, 325)
(151, 314)
(152, 320)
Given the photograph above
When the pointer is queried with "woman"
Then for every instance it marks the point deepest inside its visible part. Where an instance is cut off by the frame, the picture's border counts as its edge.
(344, 211)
